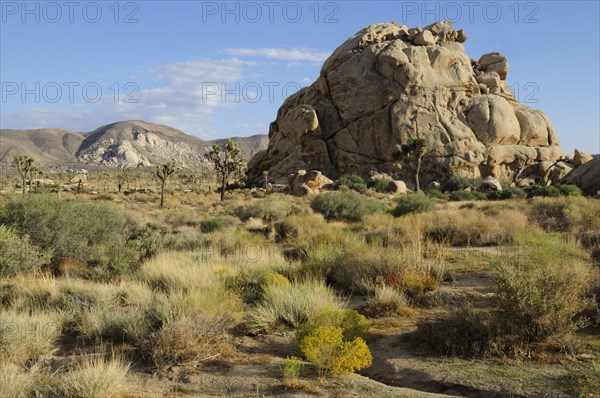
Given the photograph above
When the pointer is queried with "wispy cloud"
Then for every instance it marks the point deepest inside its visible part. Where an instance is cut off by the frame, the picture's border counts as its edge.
(179, 100)
(292, 55)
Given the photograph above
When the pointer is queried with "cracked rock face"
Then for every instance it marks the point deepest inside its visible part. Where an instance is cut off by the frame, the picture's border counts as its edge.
(388, 84)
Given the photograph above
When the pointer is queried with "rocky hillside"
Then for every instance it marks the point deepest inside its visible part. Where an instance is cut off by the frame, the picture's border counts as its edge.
(388, 84)
(44, 145)
(122, 143)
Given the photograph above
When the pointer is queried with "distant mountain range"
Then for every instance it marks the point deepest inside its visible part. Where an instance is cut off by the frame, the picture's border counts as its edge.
(131, 143)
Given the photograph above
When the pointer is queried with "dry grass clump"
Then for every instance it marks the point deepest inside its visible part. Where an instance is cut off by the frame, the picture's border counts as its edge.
(566, 214)
(24, 338)
(473, 227)
(385, 301)
(171, 271)
(291, 305)
(15, 381)
(312, 232)
(194, 325)
(96, 377)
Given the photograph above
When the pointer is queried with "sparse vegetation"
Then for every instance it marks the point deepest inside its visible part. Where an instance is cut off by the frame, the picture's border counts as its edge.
(200, 284)
(344, 206)
(414, 203)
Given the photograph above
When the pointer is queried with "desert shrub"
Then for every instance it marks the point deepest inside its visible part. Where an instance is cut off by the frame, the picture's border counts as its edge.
(355, 183)
(543, 190)
(24, 338)
(351, 323)
(507, 193)
(291, 370)
(458, 196)
(464, 332)
(591, 241)
(356, 269)
(17, 255)
(379, 185)
(436, 194)
(541, 292)
(554, 191)
(557, 214)
(271, 209)
(150, 238)
(291, 305)
(415, 286)
(212, 225)
(569, 190)
(250, 284)
(385, 301)
(344, 206)
(326, 348)
(187, 338)
(84, 231)
(413, 203)
(96, 377)
(458, 183)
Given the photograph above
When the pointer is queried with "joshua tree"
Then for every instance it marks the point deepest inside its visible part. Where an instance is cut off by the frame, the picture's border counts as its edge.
(163, 173)
(416, 148)
(227, 161)
(266, 176)
(25, 167)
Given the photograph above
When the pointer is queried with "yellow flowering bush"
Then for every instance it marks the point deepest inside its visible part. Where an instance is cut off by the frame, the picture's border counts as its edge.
(326, 348)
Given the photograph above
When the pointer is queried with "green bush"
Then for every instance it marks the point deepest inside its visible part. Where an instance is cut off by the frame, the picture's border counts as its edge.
(569, 190)
(90, 233)
(413, 203)
(379, 185)
(543, 190)
(507, 193)
(458, 196)
(355, 183)
(17, 254)
(436, 194)
(212, 225)
(344, 206)
(457, 183)
(553, 190)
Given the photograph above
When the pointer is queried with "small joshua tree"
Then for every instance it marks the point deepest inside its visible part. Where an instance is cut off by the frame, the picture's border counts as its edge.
(163, 173)
(25, 168)
(227, 162)
(416, 149)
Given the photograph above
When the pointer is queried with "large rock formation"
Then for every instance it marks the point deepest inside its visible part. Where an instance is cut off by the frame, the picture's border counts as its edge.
(388, 84)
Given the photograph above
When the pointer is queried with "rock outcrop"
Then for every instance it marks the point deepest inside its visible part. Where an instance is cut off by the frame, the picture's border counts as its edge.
(388, 84)
(586, 177)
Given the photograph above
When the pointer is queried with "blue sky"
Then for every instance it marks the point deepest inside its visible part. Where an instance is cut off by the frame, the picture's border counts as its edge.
(78, 65)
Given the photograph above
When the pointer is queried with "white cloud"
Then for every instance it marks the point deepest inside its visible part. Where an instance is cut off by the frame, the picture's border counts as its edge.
(185, 99)
(293, 55)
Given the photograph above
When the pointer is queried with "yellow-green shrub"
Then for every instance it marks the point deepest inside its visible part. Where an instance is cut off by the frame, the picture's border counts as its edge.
(325, 347)
(352, 323)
